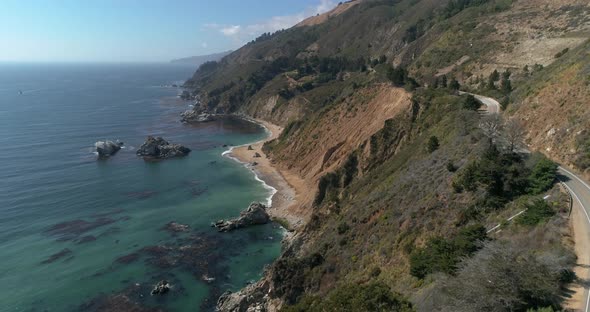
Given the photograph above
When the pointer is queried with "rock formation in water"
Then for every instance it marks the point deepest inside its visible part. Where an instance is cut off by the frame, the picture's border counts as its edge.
(255, 214)
(192, 115)
(157, 147)
(161, 288)
(107, 148)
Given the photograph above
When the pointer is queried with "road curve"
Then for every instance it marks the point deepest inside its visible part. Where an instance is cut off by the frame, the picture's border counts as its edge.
(492, 106)
(580, 191)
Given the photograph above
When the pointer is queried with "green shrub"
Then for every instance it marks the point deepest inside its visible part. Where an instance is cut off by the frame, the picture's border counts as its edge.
(542, 176)
(538, 211)
(451, 167)
(470, 103)
(443, 255)
(343, 227)
(432, 144)
(374, 296)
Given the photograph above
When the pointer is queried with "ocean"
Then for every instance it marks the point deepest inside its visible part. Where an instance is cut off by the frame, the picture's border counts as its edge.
(79, 233)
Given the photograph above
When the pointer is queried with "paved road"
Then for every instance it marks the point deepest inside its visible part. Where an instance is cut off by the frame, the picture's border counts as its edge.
(580, 191)
(492, 106)
(578, 188)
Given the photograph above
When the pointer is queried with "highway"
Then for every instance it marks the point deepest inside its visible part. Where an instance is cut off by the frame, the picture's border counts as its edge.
(580, 192)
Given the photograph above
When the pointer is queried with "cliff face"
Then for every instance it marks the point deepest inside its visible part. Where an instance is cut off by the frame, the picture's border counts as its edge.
(554, 107)
(384, 149)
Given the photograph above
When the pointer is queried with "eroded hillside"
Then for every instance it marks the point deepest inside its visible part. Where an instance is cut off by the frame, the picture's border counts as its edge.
(405, 180)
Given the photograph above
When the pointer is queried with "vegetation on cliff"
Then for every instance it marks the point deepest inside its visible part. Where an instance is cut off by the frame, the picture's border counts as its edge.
(409, 178)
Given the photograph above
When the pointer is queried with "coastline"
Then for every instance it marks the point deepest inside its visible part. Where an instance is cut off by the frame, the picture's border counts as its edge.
(284, 187)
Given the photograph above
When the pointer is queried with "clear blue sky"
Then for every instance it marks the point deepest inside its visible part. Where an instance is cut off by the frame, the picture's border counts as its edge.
(139, 30)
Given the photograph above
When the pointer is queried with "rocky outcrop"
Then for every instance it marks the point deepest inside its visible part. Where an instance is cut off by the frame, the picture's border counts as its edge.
(252, 298)
(156, 147)
(255, 214)
(161, 288)
(185, 95)
(192, 115)
(107, 148)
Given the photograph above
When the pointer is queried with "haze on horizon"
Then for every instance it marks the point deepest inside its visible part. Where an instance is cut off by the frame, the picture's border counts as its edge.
(140, 31)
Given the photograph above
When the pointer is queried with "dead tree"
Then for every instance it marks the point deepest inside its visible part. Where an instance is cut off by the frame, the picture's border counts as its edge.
(491, 125)
(514, 132)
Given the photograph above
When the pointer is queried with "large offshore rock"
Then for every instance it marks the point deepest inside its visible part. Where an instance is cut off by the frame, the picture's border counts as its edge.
(157, 147)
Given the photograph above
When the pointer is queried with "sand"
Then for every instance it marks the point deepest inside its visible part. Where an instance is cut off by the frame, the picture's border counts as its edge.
(289, 186)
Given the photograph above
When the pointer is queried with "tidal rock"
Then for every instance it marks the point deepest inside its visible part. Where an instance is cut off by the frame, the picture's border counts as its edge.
(161, 288)
(160, 148)
(253, 215)
(196, 115)
(107, 148)
(257, 155)
(175, 227)
(250, 148)
(254, 163)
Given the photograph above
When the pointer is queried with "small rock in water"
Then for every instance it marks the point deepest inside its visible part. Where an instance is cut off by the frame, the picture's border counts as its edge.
(107, 148)
(257, 155)
(253, 215)
(254, 163)
(161, 288)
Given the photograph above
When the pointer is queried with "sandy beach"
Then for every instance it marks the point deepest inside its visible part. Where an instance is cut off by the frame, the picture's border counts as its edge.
(288, 185)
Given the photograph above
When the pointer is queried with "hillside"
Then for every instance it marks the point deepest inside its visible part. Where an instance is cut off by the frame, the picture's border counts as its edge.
(407, 177)
(200, 59)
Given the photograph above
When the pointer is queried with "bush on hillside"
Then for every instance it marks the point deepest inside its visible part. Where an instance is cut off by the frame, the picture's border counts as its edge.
(542, 177)
(443, 255)
(470, 103)
(536, 212)
(433, 144)
(374, 296)
(505, 276)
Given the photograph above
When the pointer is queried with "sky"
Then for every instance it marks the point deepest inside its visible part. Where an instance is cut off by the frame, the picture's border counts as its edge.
(139, 30)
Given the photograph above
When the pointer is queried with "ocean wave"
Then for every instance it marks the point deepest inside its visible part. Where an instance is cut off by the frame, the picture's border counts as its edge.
(227, 153)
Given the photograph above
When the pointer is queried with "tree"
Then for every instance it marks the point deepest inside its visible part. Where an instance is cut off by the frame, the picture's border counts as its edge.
(542, 176)
(494, 76)
(491, 125)
(470, 103)
(505, 84)
(432, 144)
(454, 85)
(444, 81)
(397, 75)
(514, 132)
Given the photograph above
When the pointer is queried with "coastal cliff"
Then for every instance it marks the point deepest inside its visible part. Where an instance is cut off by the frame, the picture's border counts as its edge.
(380, 165)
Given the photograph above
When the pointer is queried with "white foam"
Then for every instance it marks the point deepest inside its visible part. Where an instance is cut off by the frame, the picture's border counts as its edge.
(228, 152)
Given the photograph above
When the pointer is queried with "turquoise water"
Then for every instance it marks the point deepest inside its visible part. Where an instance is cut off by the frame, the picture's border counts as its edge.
(57, 199)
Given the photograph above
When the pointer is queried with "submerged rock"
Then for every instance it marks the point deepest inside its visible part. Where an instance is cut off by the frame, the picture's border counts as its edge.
(107, 148)
(161, 288)
(175, 227)
(159, 148)
(253, 215)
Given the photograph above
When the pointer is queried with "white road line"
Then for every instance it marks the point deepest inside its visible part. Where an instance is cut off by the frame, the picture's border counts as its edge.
(575, 176)
(587, 218)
